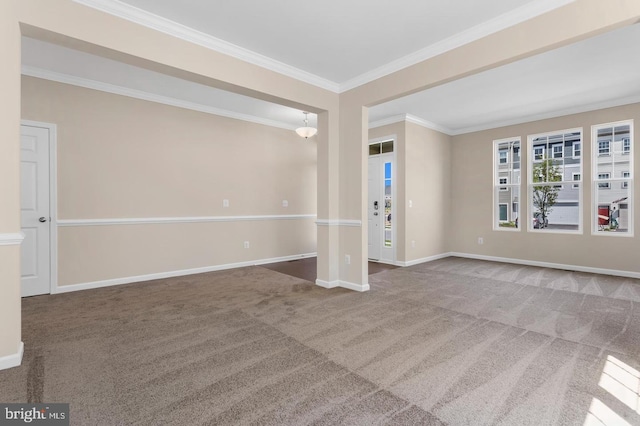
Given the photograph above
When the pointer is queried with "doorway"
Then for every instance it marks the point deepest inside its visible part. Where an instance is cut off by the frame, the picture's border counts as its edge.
(381, 201)
(37, 207)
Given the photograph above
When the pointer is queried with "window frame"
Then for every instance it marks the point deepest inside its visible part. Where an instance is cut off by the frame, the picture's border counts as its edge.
(600, 153)
(573, 179)
(530, 183)
(625, 182)
(553, 150)
(511, 183)
(506, 156)
(611, 181)
(602, 177)
(573, 149)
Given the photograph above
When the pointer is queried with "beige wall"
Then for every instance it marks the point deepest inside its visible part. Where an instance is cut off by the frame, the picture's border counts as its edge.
(471, 201)
(423, 176)
(9, 179)
(120, 157)
(428, 186)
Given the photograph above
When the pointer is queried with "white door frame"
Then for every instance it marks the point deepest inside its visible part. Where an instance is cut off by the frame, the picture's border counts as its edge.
(53, 200)
(394, 191)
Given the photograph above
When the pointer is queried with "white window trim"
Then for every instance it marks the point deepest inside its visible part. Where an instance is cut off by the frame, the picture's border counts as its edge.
(530, 185)
(594, 174)
(625, 182)
(573, 179)
(495, 216)
(599, 154)
(553, 150)
(535, 160)
(506, 156)
(573, 149)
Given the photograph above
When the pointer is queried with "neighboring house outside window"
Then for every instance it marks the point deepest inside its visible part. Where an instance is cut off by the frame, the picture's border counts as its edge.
(554, 186)
(612, 174)
(506, 178)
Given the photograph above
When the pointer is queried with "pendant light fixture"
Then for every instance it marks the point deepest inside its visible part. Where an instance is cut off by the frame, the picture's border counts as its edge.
(306, 131)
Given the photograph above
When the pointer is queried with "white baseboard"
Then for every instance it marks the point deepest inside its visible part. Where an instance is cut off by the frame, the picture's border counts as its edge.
(343, 284)
(577, 268)
(327, 284)
(13, 360)
(355, 287)
(423, 260)
(170, 274)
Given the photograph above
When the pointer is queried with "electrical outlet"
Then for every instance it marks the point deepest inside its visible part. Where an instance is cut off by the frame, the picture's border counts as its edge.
(480, 240)
(410, 203)
(225, 203)
(246, 244)
(413, 243)
(285, 203)
(347, 259)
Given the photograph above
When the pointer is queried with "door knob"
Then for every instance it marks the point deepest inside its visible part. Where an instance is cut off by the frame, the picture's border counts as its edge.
(42, 219)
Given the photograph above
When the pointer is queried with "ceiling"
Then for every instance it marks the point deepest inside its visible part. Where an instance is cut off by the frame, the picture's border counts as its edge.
(591, 74)
(335, 39)
(595, 73)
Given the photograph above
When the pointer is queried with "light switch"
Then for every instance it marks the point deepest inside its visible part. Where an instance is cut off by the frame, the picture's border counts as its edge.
(225, 203)
(285, 203)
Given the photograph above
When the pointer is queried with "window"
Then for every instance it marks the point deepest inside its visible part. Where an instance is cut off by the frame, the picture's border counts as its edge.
(557, 151)
(612, 171)
(554, 185)
(603, 176)
(506, 184)
(603, 147)
(503, 181)
(576, 178)
(577, 149)
(538, 153)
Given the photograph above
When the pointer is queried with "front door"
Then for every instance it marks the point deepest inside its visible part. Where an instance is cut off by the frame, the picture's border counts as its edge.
(34, 168)
(380, 204)
(375, 208)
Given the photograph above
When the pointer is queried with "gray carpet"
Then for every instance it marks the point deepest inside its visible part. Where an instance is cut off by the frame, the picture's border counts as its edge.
(455, 341)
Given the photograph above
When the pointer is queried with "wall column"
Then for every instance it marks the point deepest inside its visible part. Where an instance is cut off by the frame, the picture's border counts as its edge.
(10, 315)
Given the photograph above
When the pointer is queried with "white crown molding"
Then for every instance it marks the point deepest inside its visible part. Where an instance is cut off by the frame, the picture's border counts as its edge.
(12, 239)
(388, 120)
(158, 23)
(146, 96)
(552, 114)
(428, 124)
(339, 222)
(411, 119)
(193, 219)
(499, 23)
(13, 360)
(179, 273)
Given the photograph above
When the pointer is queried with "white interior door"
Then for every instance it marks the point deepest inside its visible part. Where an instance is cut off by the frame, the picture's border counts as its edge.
(35, 260)
(375, 208)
